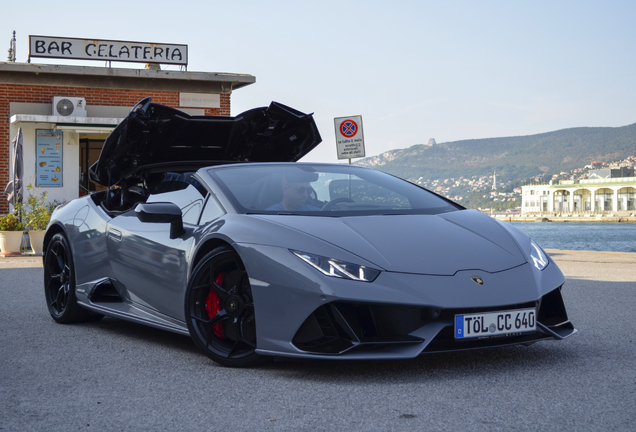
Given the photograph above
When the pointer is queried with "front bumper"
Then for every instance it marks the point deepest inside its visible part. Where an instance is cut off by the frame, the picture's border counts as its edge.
(351, 330)
(301, 313)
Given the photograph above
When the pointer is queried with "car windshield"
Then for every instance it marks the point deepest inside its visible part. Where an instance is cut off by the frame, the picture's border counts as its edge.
(325, 190)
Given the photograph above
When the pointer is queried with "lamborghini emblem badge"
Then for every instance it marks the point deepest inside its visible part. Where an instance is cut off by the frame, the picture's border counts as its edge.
(478, 280)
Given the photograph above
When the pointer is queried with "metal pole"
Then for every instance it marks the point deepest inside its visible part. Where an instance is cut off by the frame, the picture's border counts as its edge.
(349, 181)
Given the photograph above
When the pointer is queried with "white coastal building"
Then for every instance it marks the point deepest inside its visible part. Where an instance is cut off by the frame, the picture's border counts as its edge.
(598, 194)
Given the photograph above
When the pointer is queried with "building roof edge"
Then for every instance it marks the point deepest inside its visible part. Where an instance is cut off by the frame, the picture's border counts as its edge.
(224, 79)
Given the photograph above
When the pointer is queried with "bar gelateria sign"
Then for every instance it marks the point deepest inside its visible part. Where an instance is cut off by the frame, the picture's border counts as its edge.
(107, 50)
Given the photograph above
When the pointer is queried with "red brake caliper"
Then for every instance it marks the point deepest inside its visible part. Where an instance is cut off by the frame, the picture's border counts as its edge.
(213, 306)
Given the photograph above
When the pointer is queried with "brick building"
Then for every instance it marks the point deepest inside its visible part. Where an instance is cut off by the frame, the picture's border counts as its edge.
(71, 142)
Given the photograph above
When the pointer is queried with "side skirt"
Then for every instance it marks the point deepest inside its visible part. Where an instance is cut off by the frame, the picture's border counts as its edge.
(138, 316)
(127, 311)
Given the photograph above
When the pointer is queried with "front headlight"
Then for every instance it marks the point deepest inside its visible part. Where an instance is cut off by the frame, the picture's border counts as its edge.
(538, 257)
(340, 269)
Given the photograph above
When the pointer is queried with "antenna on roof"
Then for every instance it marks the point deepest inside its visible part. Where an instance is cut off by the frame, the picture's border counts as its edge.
(12, 49)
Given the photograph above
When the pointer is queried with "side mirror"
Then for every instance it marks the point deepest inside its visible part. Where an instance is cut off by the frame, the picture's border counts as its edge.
(162, 213)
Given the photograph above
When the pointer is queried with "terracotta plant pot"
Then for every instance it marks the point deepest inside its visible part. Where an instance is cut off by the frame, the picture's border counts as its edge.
(10, 242)
(37, 239)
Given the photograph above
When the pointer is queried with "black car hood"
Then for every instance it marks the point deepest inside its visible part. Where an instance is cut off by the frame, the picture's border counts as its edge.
(154, 137)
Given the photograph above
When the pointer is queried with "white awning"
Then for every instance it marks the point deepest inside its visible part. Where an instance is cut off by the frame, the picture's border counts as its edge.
(84, 125)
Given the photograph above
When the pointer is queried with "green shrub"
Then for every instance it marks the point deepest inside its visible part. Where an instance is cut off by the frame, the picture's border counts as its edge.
(36, 214)
(9, 222)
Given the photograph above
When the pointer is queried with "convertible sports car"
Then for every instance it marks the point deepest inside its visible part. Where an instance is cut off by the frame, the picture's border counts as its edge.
(209, 228)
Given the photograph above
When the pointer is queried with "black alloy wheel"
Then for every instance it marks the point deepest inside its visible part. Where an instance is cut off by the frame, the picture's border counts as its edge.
(59, 284)
(219, 310)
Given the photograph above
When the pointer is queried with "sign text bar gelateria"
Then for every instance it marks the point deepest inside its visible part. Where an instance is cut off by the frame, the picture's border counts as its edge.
(107, 50)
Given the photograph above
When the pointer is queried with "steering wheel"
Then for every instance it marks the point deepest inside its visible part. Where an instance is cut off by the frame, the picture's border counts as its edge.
(333, 203)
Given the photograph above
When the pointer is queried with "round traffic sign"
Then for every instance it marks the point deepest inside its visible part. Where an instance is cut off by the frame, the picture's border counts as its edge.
(348, 128)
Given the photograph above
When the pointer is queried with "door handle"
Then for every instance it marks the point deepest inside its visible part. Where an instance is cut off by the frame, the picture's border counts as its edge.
(114, 234)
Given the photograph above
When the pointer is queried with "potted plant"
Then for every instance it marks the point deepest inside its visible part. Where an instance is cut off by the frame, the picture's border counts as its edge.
(36, 215)
(11, 231)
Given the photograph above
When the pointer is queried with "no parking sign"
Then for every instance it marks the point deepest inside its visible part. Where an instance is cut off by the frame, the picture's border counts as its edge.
(349, 137)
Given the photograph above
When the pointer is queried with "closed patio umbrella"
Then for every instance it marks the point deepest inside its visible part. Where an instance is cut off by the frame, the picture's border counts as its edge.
(14, 187)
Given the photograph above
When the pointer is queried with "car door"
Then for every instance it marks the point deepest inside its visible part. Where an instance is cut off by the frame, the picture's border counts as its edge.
(150, 267)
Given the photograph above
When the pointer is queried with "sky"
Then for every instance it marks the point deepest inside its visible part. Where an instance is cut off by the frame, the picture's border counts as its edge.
(414, 70)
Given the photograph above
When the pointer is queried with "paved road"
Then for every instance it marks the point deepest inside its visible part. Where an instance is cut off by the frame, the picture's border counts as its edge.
(118, 376)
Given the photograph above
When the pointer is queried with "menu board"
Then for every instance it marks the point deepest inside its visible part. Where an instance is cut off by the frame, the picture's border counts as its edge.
(48, 158)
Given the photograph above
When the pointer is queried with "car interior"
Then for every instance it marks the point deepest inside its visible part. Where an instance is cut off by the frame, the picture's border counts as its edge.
(132, 191)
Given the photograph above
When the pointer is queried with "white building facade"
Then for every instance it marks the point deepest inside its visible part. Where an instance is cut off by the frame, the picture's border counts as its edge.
(609, 195)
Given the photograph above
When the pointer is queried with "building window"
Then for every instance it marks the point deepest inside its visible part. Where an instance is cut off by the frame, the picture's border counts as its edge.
(604, 200)
(626, 198)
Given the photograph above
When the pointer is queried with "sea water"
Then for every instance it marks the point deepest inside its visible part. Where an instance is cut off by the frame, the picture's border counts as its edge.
(593, 236)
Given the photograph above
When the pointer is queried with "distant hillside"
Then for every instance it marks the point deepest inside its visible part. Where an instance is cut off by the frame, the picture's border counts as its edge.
(514, 158)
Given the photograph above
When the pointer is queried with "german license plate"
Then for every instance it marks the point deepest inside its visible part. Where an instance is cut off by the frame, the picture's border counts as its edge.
(495, 323)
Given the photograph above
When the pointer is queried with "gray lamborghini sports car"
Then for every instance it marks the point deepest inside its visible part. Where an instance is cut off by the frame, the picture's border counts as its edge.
(209, 228)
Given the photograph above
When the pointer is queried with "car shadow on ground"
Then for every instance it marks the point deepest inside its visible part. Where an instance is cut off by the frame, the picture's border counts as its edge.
(143, 334)
(431, 366)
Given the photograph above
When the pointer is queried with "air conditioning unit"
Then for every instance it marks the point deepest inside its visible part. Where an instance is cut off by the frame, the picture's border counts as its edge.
(66, 106)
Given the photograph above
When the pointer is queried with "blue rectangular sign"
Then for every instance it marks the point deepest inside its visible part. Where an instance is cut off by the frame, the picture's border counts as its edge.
(48, 158)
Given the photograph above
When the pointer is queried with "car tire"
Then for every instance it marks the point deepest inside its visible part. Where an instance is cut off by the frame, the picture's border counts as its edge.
(219, 310)
(59, 284)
